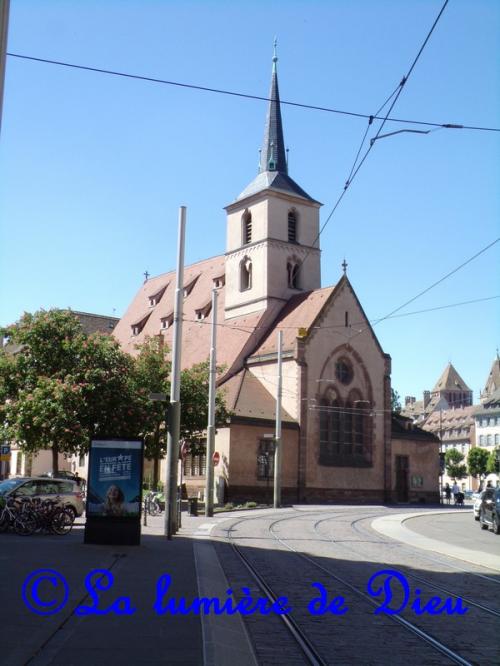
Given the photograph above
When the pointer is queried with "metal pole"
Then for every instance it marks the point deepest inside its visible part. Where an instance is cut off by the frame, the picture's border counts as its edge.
(174, 412)
(209, 488)
(277, 438)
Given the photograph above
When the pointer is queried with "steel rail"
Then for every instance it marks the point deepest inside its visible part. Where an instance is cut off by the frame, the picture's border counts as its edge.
(441, 588)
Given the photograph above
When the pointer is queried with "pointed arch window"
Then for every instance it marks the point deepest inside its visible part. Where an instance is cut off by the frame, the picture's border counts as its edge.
(344, 431)
(247, 228)
(245, 274)
(292, 269)
(292, 226)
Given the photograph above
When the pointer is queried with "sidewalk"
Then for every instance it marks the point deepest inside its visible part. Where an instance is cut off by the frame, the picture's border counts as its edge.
(140, 638)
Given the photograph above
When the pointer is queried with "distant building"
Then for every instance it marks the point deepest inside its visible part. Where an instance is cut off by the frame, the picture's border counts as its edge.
(449, 392)
(493, 382)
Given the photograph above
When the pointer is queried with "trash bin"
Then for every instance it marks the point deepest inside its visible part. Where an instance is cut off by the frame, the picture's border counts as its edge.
(193, 506)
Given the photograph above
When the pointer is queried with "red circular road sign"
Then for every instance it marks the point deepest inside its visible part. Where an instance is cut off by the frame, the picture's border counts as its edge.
(216, 458)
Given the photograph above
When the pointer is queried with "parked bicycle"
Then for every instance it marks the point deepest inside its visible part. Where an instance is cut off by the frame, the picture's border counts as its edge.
(26, 516)
(152, 504)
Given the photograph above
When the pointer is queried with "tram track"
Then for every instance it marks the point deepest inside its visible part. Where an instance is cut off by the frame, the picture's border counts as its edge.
(300, 628)
(467, 600)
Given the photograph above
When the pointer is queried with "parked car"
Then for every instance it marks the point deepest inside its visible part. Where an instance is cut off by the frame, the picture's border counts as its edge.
(476, 499)
(489, 511)
(66, 491)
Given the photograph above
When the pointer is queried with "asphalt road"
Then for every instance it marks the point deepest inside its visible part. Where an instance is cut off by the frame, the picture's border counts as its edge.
(456, 527)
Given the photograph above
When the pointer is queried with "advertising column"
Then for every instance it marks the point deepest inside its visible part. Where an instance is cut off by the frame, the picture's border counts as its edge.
(114, 492)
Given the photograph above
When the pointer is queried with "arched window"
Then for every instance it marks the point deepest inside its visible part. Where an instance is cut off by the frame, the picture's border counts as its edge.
(245, 274)
(292, 269)
(292, 226)
(247, 228)
(344, 428)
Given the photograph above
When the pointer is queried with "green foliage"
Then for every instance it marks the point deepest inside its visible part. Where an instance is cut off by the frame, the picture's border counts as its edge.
(492, 465)
(194, 405)
(63, 387)
(152, 375)
(453, 461)
(395, 401)
(477, 461)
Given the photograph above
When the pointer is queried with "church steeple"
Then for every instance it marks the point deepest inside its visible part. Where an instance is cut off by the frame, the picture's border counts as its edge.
(273, 155)
(272, 228)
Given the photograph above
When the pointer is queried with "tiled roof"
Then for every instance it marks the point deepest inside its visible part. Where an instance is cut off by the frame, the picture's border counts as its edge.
(451, 418)
(493, 381)
(247, 397)
(299, 313)
(450, 380)
(403, 428)
(232, 335)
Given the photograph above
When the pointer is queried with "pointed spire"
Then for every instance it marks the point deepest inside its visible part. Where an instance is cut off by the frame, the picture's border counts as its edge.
(273, 157)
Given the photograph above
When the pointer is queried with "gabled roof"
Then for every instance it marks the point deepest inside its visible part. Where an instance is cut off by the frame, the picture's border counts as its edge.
(450, 380)
(232, 336)
(299, 312)
(493, 381)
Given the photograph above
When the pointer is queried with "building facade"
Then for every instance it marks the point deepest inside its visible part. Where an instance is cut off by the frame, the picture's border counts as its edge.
(337, 442)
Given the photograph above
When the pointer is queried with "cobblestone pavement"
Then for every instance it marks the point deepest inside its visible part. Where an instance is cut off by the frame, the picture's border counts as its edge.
(341, 541)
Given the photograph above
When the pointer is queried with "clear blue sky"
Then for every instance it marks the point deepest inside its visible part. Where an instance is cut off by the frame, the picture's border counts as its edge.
(93, 167)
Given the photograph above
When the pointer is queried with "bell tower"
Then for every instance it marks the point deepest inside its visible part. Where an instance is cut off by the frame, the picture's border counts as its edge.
(272, 250)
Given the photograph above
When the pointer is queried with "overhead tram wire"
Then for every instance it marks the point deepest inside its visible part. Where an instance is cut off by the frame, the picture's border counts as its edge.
(354, 171)
(233, 93)
(250, 329)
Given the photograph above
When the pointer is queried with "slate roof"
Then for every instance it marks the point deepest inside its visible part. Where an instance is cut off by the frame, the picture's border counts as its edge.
(273, 168)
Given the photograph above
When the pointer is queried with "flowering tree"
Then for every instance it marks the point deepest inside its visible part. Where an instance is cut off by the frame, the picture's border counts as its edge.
(60, 387)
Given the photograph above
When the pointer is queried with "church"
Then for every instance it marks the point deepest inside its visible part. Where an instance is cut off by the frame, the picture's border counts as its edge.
(339, 440)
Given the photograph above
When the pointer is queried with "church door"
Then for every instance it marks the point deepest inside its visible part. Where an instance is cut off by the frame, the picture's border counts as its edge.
(402, 478)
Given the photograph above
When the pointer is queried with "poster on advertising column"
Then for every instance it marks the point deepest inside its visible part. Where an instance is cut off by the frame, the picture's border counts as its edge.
(114, 489)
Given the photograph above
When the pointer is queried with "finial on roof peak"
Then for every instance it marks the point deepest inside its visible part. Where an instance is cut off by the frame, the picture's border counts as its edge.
(275, 57)
(344, 266)
(146, 276)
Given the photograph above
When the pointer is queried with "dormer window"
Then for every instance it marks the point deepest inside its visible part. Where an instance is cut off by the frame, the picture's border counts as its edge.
(245, 274)
(219, 281)
(166, 322)
(292, 226)
(202, 313)
(188, 288)
(247, 228)
(138, 325)
(155, 298)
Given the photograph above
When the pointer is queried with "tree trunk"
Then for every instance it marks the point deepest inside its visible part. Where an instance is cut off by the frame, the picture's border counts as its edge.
(55, 459)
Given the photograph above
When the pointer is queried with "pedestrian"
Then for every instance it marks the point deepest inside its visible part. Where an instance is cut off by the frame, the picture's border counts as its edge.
(455, 490)
(447, 493)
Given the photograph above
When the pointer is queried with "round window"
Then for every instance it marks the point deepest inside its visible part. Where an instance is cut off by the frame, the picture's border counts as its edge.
(343, 371)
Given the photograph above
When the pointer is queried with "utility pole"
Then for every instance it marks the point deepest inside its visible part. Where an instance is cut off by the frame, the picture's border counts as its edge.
(4, 29)
(174, 411)
(277, 437)
(209, 488)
